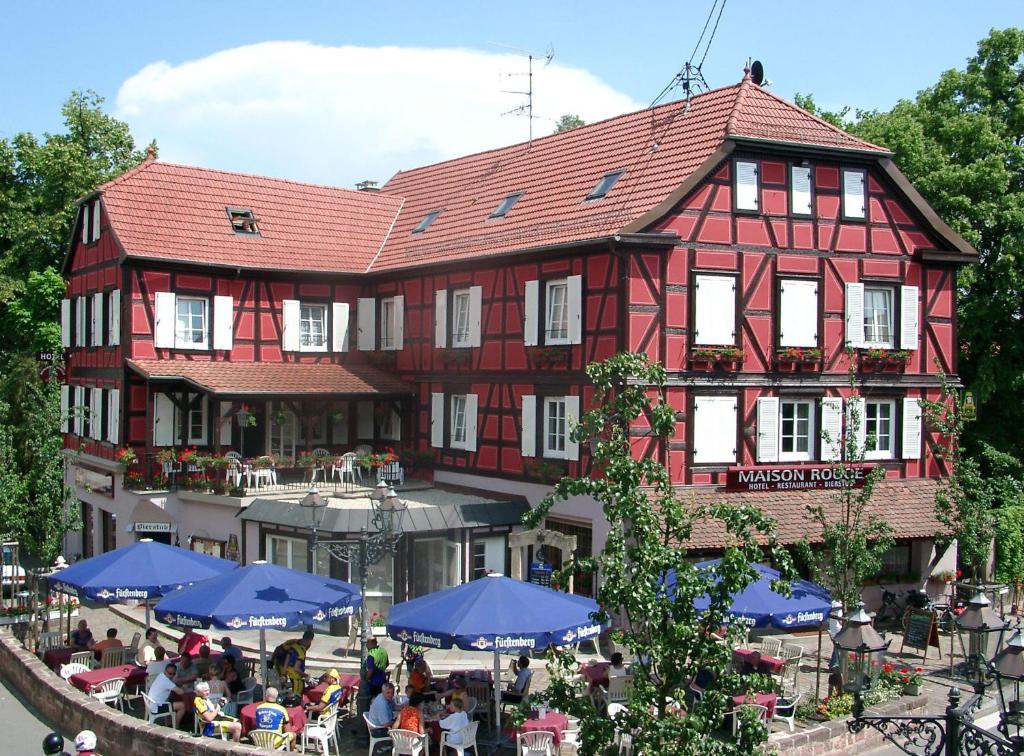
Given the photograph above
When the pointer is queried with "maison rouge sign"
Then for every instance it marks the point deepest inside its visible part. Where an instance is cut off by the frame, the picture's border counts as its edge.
(794, 477)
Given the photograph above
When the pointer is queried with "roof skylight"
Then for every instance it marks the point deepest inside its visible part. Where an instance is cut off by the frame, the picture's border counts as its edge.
(243, 221)
(604, 185)
(427, 220)
(505, 205)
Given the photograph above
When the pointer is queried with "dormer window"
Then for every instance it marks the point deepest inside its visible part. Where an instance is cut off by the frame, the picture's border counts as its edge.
(243, 221)
(427, 220)
(605, 185)
(506, 205)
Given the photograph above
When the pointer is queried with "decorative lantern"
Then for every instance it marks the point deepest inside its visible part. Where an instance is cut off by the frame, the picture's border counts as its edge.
(1008, 669)
(860, 643)
(974, 626)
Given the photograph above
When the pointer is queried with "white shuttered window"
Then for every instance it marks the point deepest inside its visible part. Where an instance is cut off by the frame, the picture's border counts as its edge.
(908, 317)
(223, 322)
(437, 420)
(800, 190)
(163, 329)
(366, 324)
(96, 319)
(340, 324)
(65, 322)
(80, 322)
(855, 314)
(746, 185)
(831, 429)
(911, 429)
(163, 421)
(114, 318)
(768, 429)
(529, 441)
(798, 313)
(441, 318)
(854, 199)
(715, 311)
(113, 415)
(531, 318)
(291, 338)
(96, 414)
(78, 410)
(714, 430)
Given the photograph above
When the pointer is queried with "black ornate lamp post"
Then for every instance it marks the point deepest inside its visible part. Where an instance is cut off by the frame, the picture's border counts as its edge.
(1008, 670)
(978, 622)
(369, 548)
(860, 643)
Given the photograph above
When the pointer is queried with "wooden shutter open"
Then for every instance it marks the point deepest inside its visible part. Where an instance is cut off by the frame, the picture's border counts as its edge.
(223, 322)
(85, 223)
(714, 429)
(97, 319)
(855, 314)
(800, 194)
(572, 419)
(114, 318)
(96, 414)
(163, 420)
(78, 410)
(531, 314)
(476, 294)
(472, 407)
(911, 428)
(715, 311)
(399, 327)
(856, 423)
(768, 429)
(746, 185)
(798, 313)
(366, 324)
(437, 420)
(80, 322)
(441, 318)
(908, 317)
(291, 337)
(339, 314)
(65, 407)
(854, 201)
(94, 231)
(574, 297)
(831, 429)
(163, 329)
(113, 415)
(529, 443)
(65, 322)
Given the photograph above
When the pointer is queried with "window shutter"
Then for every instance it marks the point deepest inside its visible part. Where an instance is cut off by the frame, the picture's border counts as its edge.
(529, 426)
(853, 194)
(768, 429)
(471, 417)
(441, 318)
(226, 421)
(290, 316)
(855, 314)
(223, 322)
(79, 409)
(163, 331)
(65, 322)
(831, 429)
(714, 429)
(366, 325)
(65, 407)
(574, 290)
(437, 420)
(399, 342)
(715, 311)
(855, 406)
(531, 314)
(95, 220)
(746, 185)
(85, 223)
(476, 294)
(364, 419)
(340, 315)
(163, 420)
(798, 314)
(80, 322)
(96, 414)
(96, 319)
(113, 416)
(114, 318)
(572, 419)
(911, 429)
(908, 317)
(801, 194)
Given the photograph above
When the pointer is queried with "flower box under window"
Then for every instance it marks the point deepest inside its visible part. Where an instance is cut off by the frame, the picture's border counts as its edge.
(881, 359)
(724, 355)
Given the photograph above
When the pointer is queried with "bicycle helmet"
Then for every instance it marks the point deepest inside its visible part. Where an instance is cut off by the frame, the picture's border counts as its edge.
(53, 743)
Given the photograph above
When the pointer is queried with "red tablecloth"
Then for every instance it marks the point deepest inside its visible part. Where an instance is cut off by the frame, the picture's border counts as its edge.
(595, 674)
(752, 658)
(552, 722)
(55, 657)
(316, 692)
(296, 718)
(131, 674)
(767, 700)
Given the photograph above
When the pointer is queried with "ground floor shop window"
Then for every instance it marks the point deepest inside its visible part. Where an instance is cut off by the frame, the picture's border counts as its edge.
(583, 583)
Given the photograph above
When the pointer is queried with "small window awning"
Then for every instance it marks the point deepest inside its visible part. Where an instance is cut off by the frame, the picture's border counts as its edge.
(273, 378)
(147, 517)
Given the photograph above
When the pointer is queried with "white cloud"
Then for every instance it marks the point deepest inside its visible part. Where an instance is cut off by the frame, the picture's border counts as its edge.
(338, 115)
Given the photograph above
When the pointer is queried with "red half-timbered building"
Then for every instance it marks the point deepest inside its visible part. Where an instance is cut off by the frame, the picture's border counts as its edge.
(752, 248)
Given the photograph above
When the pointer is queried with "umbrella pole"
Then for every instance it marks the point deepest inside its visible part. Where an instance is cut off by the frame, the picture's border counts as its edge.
(817, 668)
(497, 695)
(263, 658)
(147, 614)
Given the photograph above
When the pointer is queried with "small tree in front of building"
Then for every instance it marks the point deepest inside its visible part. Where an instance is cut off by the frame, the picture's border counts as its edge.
(649, 525)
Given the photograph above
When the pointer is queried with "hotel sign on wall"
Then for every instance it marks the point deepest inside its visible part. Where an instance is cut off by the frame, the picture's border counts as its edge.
(794, 477)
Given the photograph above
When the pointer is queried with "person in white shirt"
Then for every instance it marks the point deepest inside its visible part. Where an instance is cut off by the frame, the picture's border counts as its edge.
(147, 649)
(160, 693)
(617, 668)
(455, 721)
(156, 667)
(518, 687)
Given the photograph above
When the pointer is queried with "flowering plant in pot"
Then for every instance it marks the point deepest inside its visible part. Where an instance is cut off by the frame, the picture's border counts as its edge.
(307, 459)
(167, 456)
(126, 456)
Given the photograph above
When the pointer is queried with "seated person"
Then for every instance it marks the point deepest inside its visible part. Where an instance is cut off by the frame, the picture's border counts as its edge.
(455, 722)
(332, 695)
(617, 668)
(110, 641)
(147, 649)
(230, 649)
(190, 642)
(158, 665)
(411, 716)
(219, 690)
(230, 675)
(187, 671)
(419, 678)
(518, 687)
(81, 638)
(382, 711)
(160, 693)
(210, 718)
(270, 715)
(203, 661)
(457, 691)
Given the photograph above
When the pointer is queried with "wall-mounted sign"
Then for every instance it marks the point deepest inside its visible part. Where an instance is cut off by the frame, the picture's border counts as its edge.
(94, 482)
(795, 477)
(154, 527)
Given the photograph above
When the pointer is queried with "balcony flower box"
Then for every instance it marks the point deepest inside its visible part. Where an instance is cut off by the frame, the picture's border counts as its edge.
(798, 356)
(549, 355)
(455, 357)
(884, 359)
(721, 356)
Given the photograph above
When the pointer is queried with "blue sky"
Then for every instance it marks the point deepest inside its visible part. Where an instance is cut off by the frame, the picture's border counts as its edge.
(389, 85)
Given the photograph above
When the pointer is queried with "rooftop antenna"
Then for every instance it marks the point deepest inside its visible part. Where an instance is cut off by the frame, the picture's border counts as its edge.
(526, 108)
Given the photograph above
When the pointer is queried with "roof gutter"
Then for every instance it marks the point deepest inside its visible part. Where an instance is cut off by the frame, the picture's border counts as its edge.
(805, 148)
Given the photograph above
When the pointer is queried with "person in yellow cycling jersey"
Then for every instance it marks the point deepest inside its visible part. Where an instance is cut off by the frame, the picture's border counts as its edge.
(270, 715)
(290, 660)
(210, 717)
(332, 696)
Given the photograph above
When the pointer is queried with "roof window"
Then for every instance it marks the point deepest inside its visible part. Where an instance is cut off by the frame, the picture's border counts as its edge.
(506, 205)
(243, 221)
(605, 185)
(427, 220)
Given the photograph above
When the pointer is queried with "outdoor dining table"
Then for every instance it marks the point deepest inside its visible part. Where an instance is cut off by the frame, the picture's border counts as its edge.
(595, 674)
(748, 658)
(767, 700)
(55, 658)
(296, 718)
(314, 693)
(552, 721)
(130, 673)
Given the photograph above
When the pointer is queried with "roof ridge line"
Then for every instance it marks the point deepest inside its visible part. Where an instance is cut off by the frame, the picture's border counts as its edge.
(145, 164)
(387, 236)
(737, 104)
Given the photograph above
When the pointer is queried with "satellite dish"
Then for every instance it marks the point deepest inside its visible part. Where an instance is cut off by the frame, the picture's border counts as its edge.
(757, 73)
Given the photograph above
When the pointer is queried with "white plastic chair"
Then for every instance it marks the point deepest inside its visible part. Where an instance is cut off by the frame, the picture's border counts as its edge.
(112, 657)
(322, 731)
(468, 740)
(88, 658)
(48, 641)
(374, 739)
(268, 740)
(109, 692)
(248, 692)
(762, 714)
(408, 743)
(785, 710)
(346, 465)
(198, 725)
(392, 472)
(771, 647)
(536, 743)
(72, 668)
(617, 690)
(154, 718)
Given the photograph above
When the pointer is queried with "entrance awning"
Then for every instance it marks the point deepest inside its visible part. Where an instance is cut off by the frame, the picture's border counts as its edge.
(273, 378)
(147, 517)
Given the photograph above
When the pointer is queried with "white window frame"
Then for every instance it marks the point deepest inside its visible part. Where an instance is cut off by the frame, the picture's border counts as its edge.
(858, 210)
(296, 546)
(551, 402)
(879, 453)
(190, 418)
(179, 340)
(462, 316)
(549, 288)
(797, 456)
(391, 314)
(306, 320)
(890, 293)
(458, 432)
(754, 203)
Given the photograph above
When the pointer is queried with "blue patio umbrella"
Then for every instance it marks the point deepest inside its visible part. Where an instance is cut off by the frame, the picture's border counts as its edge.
(142, 571)
(257, 597)
(495, 614)
(758, 605)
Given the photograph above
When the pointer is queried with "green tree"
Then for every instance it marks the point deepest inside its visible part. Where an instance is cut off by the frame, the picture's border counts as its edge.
(649, 526)
(568, 122)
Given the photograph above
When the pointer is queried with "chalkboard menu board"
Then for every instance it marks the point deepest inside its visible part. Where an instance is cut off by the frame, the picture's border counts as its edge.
(921, 632)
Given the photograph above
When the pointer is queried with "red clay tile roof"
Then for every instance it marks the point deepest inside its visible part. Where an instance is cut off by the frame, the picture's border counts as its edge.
(273, 378)
(908, 505)
(175, 212)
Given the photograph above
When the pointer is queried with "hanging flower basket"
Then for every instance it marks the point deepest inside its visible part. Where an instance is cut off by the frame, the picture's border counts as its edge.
(245, 417)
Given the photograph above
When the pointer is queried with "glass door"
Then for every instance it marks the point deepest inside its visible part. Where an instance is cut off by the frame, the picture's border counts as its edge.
(281, 431)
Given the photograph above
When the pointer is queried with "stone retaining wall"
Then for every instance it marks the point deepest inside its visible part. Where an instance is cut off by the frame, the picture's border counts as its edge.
(74, 711)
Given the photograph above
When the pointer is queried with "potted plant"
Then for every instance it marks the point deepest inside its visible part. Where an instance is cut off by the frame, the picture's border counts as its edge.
(307, 459)
(798, 356)
(912, 680)
(717, 355)
(880, 359)
(126, 456)
(378, 624)
(264, 460)
(413, 458)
